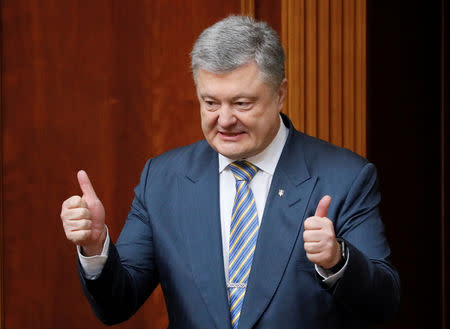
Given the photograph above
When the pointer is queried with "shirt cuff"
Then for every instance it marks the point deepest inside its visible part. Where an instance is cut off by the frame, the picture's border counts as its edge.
(329, 279)
(93, 265)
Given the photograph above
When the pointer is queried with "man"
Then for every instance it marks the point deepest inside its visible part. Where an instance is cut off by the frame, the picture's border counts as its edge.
(258, 226)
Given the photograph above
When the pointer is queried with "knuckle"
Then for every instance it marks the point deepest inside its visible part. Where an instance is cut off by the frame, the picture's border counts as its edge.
(309, 220)
(78, 214)
(85, 213)
(87, 224)
(305, 236)
(83, 224)
(67, 202)
(64, 218)
(73, 201)
(83, 203)
(306, 246)
(66, 215)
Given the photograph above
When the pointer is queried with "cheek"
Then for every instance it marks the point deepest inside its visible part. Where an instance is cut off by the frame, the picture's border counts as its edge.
(265, 127)
(251, 124)
(208, 120)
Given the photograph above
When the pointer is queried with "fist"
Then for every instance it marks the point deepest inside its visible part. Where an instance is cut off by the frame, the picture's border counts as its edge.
(83, 218)
(321, 245)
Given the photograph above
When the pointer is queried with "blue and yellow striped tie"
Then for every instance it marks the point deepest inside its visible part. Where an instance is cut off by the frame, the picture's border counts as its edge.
(243, 235)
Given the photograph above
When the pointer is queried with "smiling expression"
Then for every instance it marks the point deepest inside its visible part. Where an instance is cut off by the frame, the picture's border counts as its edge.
(239, 110)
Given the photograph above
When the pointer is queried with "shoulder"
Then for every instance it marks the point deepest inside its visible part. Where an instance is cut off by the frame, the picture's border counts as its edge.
(183, 155)
(339, 172)
(318, 155)
(164, 169)
(321, 156)
(178, 160)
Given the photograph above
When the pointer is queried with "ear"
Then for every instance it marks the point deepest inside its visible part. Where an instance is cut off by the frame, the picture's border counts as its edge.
(282, 92)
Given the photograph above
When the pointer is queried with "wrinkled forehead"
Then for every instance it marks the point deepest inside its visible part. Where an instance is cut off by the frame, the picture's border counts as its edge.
(246, 74)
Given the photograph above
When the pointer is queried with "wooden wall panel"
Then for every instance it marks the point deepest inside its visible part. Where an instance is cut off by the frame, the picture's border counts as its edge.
(348, 70)
(1, 190)
(403, 123)
(248, 8)
(310, 51)
(325, 46)
(336, 60)
(323, 71)
(100, 86)
(293, 37)
(270, 12)
(360, 76)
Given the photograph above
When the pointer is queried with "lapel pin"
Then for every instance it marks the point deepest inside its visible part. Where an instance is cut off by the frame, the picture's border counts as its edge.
(280, 193)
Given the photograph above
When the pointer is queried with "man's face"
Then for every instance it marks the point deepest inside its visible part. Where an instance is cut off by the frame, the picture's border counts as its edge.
(239, 110)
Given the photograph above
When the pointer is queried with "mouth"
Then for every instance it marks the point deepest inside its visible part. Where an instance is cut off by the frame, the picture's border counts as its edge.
(230, 136)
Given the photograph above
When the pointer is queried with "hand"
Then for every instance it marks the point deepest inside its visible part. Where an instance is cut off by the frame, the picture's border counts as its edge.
(321, 245)
(83, 218)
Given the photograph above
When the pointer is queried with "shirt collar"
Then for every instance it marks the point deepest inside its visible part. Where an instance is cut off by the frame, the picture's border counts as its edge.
(267, 159)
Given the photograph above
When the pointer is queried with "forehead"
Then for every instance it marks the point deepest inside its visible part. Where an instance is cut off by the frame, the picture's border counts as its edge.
(245, 79)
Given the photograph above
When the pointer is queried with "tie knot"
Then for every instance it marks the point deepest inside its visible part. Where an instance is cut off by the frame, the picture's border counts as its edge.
(243, 170)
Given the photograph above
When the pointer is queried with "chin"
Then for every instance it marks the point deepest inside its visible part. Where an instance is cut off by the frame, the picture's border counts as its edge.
(236, 155)
(232, 154)
(234, 151)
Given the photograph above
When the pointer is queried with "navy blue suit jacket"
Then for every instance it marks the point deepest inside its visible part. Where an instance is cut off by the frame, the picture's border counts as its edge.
(172, 236)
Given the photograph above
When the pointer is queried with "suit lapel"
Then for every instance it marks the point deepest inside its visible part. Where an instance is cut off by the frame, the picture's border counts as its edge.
(201, 227)
(281, 224)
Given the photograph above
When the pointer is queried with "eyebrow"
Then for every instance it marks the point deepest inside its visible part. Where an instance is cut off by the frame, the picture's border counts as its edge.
(250, 98)
(233, 99)
(203, 96)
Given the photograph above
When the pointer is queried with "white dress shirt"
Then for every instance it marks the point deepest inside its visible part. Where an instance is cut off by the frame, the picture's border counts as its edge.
(266, 161)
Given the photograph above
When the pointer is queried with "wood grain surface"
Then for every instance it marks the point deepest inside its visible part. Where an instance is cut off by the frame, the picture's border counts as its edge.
(325, 45)
(101, 86)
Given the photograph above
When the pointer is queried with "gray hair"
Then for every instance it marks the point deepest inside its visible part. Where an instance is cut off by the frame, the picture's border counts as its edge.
(235, 41)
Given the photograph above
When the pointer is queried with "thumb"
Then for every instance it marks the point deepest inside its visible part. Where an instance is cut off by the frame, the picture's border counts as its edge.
(322, 207)
(86, 186)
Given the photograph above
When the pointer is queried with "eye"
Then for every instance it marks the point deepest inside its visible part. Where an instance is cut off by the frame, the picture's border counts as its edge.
(243, 105)
(211, 105)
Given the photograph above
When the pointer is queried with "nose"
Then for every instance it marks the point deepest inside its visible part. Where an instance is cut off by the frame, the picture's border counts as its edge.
(226, 117)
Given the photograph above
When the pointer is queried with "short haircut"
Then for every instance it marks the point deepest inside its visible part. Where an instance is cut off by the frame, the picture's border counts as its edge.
(238, 40)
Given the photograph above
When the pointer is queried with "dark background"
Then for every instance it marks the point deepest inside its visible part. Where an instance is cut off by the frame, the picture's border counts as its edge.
(406, 124)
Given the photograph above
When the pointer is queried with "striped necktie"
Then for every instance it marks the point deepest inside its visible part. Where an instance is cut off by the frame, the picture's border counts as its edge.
(243, 235)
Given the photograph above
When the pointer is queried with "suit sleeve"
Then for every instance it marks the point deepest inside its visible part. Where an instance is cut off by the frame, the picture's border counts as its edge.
(129, 275)
(370, 285)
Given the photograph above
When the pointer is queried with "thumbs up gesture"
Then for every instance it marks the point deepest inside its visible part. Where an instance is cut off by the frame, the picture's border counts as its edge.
(83, 218)
(321, 245)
